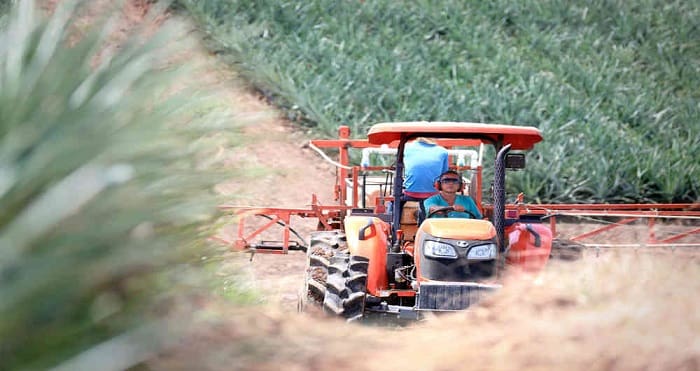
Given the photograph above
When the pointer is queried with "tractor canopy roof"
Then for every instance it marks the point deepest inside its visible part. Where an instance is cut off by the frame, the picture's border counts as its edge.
(519, 137)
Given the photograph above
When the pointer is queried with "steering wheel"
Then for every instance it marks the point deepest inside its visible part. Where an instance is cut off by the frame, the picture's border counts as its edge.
(447, 209)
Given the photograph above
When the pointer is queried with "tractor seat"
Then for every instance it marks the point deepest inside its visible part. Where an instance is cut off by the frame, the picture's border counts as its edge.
(411, 216)
(410, 212)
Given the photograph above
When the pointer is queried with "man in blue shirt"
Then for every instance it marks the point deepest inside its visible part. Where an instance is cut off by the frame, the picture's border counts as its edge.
(424, 160)
(449, 184)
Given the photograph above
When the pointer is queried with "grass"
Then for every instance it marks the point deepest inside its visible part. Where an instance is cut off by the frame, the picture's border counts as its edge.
(607, 80)
(106, 191)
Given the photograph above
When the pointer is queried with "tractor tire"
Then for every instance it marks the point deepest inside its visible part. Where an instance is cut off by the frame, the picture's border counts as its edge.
(323, 245)
(346, 287)
(566, 250)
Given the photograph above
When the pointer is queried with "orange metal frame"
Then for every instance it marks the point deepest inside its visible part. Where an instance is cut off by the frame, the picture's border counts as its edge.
(629, 212)
(277, 215)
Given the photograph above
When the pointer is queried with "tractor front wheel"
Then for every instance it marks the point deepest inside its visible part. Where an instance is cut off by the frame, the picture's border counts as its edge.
(346, 287)
(323, 246)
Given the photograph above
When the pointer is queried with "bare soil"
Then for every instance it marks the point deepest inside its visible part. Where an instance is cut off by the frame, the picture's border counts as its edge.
(612, 310)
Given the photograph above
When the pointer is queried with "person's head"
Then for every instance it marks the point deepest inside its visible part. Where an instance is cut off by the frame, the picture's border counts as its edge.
(449, 181)
(425, 140)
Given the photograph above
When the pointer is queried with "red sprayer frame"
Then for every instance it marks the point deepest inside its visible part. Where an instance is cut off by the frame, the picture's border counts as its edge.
(627, 213)
(331, 216)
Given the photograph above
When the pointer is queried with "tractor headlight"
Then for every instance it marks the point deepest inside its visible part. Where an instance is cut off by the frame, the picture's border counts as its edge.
(440, 250)
(482, 252)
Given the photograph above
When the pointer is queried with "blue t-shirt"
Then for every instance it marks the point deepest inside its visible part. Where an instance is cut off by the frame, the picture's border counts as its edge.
(423, 164)
(462, 200)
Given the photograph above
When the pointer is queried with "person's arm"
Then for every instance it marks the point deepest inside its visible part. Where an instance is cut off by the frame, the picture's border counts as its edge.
(470, 205)
(459, 207)
(430, 204)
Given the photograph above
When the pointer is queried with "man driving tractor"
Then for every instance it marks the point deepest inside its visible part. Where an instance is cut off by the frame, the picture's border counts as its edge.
(450, 202)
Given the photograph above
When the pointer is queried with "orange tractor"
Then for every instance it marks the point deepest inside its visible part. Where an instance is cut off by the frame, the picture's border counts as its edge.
(373, 252)
(393, 262)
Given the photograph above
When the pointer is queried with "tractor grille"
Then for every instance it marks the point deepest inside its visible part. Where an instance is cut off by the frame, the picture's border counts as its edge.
(451, 296)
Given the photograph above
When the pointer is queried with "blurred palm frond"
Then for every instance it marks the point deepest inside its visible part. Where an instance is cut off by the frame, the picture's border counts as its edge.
(103, 192)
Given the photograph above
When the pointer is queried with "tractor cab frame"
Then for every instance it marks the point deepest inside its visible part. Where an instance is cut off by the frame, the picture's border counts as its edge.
(503, 137)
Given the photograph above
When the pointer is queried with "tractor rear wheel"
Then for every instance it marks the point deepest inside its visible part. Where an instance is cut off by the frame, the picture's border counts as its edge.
(566, 250)
(323, 245)
(346, 287)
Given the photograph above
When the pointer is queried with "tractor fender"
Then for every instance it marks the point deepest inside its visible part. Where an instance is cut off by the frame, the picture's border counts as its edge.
(368, 237)
(530, 245)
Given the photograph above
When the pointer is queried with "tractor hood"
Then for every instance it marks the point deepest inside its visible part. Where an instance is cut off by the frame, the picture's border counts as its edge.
(519, 137)
(459, 228)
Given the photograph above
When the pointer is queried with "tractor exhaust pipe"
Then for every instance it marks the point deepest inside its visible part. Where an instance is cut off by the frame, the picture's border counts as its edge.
(499, 196)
